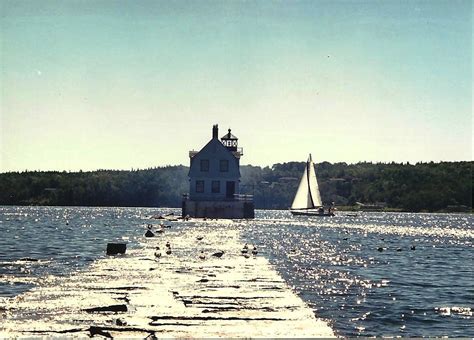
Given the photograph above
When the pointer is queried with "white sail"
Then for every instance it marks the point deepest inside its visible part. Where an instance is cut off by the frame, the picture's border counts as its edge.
(307, 196)
(313, 185)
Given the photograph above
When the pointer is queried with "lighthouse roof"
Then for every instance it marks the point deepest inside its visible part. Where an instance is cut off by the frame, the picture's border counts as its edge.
(229, 135)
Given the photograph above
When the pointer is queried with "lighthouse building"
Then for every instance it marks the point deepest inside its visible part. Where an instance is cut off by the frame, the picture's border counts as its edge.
(214, 181)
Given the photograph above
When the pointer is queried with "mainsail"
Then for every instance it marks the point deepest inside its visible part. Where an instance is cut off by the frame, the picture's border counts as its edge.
(307, 196)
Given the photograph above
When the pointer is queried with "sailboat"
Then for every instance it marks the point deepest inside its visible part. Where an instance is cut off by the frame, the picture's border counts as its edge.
(307, 200)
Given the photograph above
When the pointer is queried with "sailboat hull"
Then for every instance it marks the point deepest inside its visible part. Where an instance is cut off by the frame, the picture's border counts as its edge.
(310, 213)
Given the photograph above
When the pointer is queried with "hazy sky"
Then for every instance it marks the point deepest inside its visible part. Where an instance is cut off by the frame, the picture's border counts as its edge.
(135, 84)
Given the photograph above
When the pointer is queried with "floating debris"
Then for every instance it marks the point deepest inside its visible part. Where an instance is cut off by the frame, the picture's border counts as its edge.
(218, 254)
(29, 259)
(113, 308)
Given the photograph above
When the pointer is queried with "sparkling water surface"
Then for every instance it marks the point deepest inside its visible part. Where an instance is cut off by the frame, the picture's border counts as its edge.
(368, 274)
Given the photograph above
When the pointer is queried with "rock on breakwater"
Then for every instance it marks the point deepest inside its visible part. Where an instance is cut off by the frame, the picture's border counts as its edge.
(178, 295)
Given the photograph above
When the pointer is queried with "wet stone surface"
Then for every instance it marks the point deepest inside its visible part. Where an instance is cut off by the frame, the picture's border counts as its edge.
(176, 290)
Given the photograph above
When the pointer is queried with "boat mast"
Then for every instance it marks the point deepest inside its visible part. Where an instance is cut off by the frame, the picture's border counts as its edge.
(309, 163)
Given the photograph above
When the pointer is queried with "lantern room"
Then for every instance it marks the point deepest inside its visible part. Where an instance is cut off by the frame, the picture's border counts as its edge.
(230, 141)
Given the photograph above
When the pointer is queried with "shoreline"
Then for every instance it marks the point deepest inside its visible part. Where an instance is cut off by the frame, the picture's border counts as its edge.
(342, 209)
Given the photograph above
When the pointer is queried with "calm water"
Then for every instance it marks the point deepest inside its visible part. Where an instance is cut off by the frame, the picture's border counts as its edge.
(420, 284)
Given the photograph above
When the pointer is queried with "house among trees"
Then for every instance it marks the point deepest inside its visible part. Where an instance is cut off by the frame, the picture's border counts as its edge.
(214, 181)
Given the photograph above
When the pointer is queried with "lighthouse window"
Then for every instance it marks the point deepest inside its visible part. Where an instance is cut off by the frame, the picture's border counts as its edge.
(216, 186)
(224, 165)
(199, 186)
(204, 165)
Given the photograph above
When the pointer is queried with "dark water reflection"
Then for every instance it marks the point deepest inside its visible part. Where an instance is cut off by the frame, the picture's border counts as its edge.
(39, 241)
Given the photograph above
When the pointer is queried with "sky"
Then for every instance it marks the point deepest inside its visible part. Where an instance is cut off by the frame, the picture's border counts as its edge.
(88, 85)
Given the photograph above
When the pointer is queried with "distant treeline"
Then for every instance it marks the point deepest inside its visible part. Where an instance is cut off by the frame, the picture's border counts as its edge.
(445, 186)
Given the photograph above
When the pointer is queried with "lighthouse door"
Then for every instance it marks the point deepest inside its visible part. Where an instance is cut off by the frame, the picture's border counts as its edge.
(230, 189)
